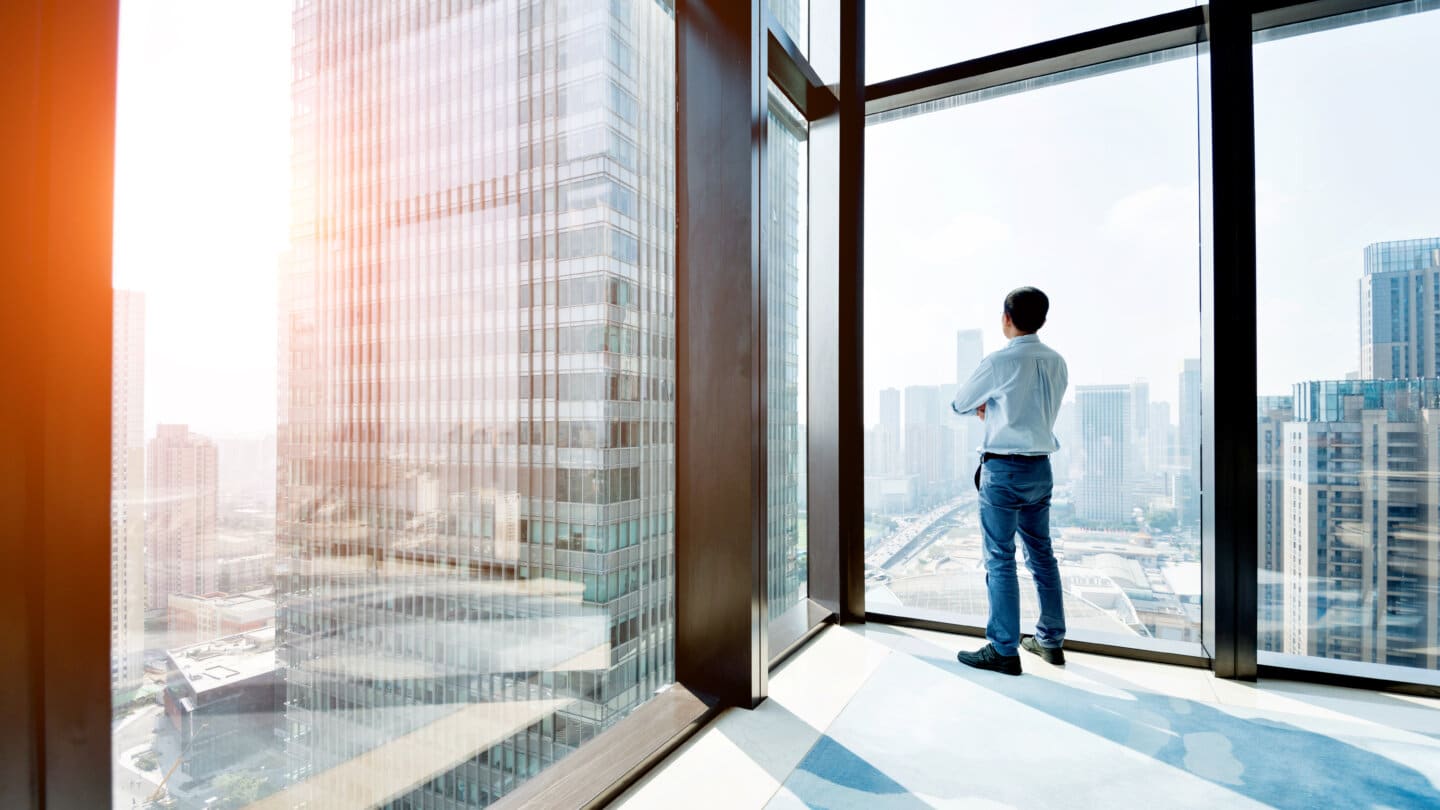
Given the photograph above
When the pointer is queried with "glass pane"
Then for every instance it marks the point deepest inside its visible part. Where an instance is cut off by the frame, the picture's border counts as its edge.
(392, 513)
(905, 38)
(794, 17)
(1086, 189)
(1349, 344)
(784, 232)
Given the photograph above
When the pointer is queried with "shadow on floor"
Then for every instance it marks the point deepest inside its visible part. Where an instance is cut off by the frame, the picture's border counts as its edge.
(1268, 761)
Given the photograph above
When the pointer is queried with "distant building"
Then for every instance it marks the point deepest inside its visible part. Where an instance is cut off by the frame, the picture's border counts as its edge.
(889, 440)
(1188, 452)
(248, 573)
(197, 618)
(127, 492)
(222, 697)
(1271, 415)
(1399, 303)
(969, 351)
(1360, 571)
(184, 490)
(929, 443)
(1103, 493)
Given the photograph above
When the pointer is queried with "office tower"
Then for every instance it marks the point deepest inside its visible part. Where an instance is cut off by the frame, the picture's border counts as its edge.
(1360, 574)
(1272, 412)
(183, 491)
(1157, 438)
(127, 491)
(1399, 303)
(1067, 432)
(476, 449)
(969, 351)
(929, 443)
(970, 433)
(1188, 453)
(1139, 428)
(890, 443)
(780, 235)
(1103, 494)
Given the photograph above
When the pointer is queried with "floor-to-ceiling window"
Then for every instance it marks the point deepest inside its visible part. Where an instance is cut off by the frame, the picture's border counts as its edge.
(1087, 185)
(1348, 326)
(394, 395)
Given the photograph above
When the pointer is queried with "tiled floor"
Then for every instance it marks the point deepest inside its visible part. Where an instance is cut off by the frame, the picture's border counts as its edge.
(884, 717)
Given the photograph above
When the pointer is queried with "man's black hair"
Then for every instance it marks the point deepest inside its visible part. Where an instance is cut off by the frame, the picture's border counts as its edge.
(1027, 308)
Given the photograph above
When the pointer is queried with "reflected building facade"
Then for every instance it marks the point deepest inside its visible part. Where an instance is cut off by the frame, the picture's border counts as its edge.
(1271, 415)
(127, 491)
(476, 428)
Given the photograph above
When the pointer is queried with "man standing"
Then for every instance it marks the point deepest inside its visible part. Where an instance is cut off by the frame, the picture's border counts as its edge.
(1017, 392)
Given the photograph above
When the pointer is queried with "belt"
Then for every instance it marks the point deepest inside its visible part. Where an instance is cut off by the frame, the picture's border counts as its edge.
(984, 457)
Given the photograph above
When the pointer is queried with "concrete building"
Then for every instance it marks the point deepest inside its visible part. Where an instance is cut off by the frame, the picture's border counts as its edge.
(197, 618)
(222, 697)
(1360, 573)
(180, 530)
(1103, 493)
(1399, 304)
(127, 492)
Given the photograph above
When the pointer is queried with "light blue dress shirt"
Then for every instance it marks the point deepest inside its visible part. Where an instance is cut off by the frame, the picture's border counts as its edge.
(1021, 387)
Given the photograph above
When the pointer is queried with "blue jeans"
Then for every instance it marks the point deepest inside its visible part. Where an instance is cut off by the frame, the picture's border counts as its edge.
(1015, 496)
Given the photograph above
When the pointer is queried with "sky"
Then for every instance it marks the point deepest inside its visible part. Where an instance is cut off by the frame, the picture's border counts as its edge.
(1088, 189)
(202, 195)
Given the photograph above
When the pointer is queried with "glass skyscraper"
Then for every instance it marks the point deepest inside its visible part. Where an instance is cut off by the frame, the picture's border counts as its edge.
(476, 486)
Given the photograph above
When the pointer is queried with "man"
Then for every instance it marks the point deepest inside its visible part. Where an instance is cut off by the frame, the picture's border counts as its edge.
(1017, 392)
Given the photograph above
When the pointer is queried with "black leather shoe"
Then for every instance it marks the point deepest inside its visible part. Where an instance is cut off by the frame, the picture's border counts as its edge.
(1052, 655)
(989, 658)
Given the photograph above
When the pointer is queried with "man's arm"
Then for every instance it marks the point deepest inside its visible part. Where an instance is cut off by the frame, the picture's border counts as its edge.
(975, 392)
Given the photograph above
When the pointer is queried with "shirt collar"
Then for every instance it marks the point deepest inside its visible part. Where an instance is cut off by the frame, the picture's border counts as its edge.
(1024, 339)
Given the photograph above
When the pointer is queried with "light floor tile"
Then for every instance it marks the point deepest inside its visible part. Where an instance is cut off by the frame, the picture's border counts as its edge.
(817, 684)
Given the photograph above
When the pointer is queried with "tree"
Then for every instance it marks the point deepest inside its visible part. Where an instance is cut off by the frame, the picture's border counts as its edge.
(1162, 520)
(237, 790)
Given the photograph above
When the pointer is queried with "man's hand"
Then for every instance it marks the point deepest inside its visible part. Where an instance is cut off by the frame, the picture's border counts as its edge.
(980, 412)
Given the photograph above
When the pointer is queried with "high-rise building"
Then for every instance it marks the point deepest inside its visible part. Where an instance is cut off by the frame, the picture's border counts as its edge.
(1360, 574)
(889, 442)
(183, 492)
(1188, 452)
(1399, 304)
(1140, 428)
(1272, 412)
(1157, 437)
(969, 351)
(970, 433)
(1103, 494)
(127, 492)
(929, 442)
(476, 430)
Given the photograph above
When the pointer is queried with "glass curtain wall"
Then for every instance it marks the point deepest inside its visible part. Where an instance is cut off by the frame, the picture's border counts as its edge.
(398, 533)
(1085, 185)
(784, 240)
(1348, 319)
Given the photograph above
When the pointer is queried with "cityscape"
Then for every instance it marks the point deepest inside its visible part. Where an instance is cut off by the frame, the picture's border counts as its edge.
(460, 533)
(457, 536)
(1125, 515)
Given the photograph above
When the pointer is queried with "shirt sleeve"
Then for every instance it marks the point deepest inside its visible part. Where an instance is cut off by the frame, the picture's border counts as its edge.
(976, 391)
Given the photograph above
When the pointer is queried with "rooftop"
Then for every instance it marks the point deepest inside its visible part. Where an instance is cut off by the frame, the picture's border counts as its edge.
(212, 664)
